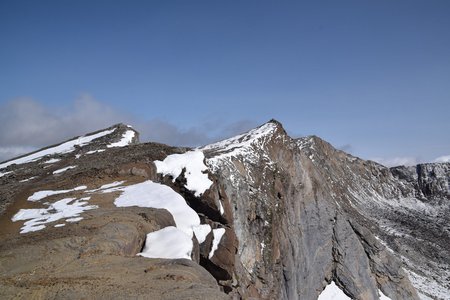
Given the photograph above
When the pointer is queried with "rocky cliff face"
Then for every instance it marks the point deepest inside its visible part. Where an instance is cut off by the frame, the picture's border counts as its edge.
(297, 228)
(406, 208)
(270, 217)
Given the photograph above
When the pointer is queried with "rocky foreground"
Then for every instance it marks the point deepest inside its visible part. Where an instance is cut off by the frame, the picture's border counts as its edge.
(257, 216)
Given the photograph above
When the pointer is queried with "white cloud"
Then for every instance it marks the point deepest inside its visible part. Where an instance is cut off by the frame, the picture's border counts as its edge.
(397, 161)
(445, 158)
(28, 125)
(14, 151)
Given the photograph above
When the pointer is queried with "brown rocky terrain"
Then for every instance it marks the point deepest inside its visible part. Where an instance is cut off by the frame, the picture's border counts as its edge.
(286, 217)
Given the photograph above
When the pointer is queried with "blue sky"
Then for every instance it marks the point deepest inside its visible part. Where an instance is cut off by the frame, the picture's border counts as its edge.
(372, 77)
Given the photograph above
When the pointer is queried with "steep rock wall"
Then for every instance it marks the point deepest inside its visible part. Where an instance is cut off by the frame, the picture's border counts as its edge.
(294, 237)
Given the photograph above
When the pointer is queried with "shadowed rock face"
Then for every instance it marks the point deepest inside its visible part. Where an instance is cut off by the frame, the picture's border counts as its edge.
(296, 214)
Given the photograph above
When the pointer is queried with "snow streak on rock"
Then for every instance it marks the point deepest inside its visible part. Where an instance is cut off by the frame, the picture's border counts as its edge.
(47, 193)
(52, 161)
(6, 173)
(64, 169)
(95, 151)
(218, 233)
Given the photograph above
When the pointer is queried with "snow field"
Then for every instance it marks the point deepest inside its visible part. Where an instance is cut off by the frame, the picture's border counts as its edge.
(155, 195)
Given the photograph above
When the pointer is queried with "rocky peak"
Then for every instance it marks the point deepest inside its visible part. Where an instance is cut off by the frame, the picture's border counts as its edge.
(255, 137)
(248, 147)
(285, 209)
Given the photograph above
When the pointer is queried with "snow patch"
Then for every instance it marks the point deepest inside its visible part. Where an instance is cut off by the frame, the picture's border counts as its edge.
(73, 220)
(107, 188)
(95, 151)
(169, 242)
(28, 179)
(64, 169)
(52, 160)
(6, 173)
(218, 233)
(63, 209)
(221, 208)
(127, 138)
(112, 184)
(333, 292)
(60, 149)
(263, 246)
(192, 162)
(383, 296)
(151, 194)
(43, 194)
(201, 231)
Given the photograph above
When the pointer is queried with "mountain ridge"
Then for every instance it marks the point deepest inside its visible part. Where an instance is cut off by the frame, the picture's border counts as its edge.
(294, 215)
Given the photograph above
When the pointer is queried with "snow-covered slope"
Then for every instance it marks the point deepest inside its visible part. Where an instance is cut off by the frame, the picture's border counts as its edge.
(63, 148)
(128, 136)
